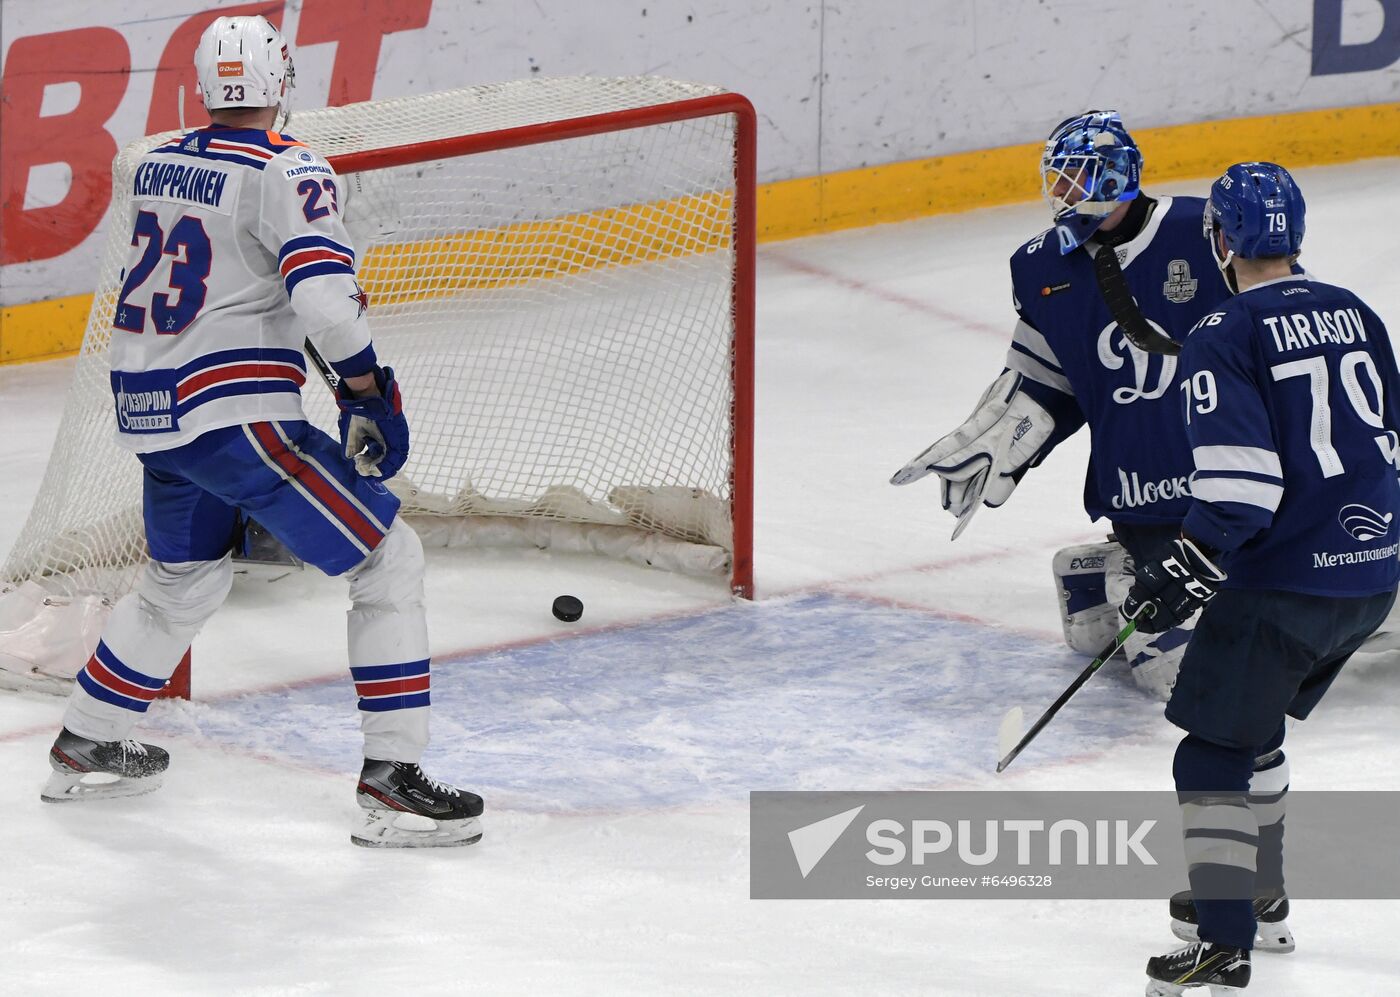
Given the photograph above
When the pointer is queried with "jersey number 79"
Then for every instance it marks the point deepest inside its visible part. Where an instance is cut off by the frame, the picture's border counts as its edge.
(1320, 435)
(1202, 398)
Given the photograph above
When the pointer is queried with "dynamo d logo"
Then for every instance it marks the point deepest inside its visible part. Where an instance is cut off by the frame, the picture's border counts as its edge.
(1364, 523)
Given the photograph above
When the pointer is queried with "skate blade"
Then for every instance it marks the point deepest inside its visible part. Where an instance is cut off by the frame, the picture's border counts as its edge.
(393, 829)
(1161, 988)
(1274, 938)
(70, 787)
(1270, 937)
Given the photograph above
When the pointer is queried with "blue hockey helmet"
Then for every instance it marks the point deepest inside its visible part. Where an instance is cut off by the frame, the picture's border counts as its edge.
(1090, 166)
(1259, 209)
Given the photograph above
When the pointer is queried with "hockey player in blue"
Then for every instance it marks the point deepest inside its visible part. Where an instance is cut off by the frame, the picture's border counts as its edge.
(1292, 410)
(1102, 300)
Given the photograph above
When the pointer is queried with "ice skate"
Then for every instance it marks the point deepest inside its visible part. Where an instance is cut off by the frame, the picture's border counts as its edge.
(89, 770)
(1225, 970)
(1272, 913)
(403, 808)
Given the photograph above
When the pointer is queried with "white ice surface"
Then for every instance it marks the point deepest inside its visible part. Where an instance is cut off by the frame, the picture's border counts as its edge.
(616, 754)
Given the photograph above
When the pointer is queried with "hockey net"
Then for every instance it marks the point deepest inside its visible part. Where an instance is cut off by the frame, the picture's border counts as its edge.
(561, 273)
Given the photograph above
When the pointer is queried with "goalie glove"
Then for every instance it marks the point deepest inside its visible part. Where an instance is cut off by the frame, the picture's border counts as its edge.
(1168, 591)
(374, 429)
(982, 461)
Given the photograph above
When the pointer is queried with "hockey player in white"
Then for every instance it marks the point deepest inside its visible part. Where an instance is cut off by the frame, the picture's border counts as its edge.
(239, 253)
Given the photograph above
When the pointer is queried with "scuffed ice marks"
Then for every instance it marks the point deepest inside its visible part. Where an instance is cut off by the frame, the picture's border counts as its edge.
(819, 692)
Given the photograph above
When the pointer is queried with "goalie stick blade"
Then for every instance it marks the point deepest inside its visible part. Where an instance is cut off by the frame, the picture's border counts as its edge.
(1010, 731)
(1149, 340)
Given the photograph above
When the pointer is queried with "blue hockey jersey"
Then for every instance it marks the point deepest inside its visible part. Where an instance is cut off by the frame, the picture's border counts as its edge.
(1080, 367)
(1293, 414)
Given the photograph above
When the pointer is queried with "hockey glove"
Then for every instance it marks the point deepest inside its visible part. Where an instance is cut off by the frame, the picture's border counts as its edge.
(982, 461)
(373, 429)
(1175, 585)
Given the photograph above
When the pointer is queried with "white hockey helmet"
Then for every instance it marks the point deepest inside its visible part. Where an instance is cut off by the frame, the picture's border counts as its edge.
(243, 62)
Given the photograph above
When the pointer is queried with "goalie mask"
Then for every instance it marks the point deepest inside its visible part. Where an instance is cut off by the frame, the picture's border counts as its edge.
(1090, 166)
(243, 62)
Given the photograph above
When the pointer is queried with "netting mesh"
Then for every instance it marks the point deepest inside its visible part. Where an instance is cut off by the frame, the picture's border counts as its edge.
(559, 314)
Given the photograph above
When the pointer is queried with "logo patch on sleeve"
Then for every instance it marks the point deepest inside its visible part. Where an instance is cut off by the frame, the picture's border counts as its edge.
(1180, 286)
(361, 299)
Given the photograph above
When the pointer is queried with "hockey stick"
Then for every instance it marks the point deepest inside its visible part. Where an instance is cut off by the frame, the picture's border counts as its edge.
(1074, 687)
(328, 375)
(1113, 287)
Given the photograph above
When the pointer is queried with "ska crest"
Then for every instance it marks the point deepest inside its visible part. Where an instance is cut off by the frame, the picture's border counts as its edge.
(360, 298)
(1180, 286)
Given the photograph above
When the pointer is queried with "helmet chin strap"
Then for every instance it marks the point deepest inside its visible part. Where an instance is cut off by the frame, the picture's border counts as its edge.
(284, 106)
(1227, 270)
(1225, 263)
(1232, 280)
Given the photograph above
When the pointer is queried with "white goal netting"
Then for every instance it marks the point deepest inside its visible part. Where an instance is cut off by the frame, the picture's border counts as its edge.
(559, 310)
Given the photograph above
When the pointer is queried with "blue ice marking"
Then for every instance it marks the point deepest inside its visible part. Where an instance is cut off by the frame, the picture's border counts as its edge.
(819, 693)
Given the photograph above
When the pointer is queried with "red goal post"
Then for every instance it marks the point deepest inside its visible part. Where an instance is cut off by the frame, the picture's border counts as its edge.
(744, 240)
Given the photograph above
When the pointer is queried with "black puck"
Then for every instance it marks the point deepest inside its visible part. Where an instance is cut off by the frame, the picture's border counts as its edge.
(568, 608)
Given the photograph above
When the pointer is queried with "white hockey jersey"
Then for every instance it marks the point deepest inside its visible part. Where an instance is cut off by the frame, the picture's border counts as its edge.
(238, 254)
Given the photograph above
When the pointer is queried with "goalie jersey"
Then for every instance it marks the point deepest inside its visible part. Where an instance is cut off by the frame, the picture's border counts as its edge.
(1079, 366)
(238, 254)
(1293, 413)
